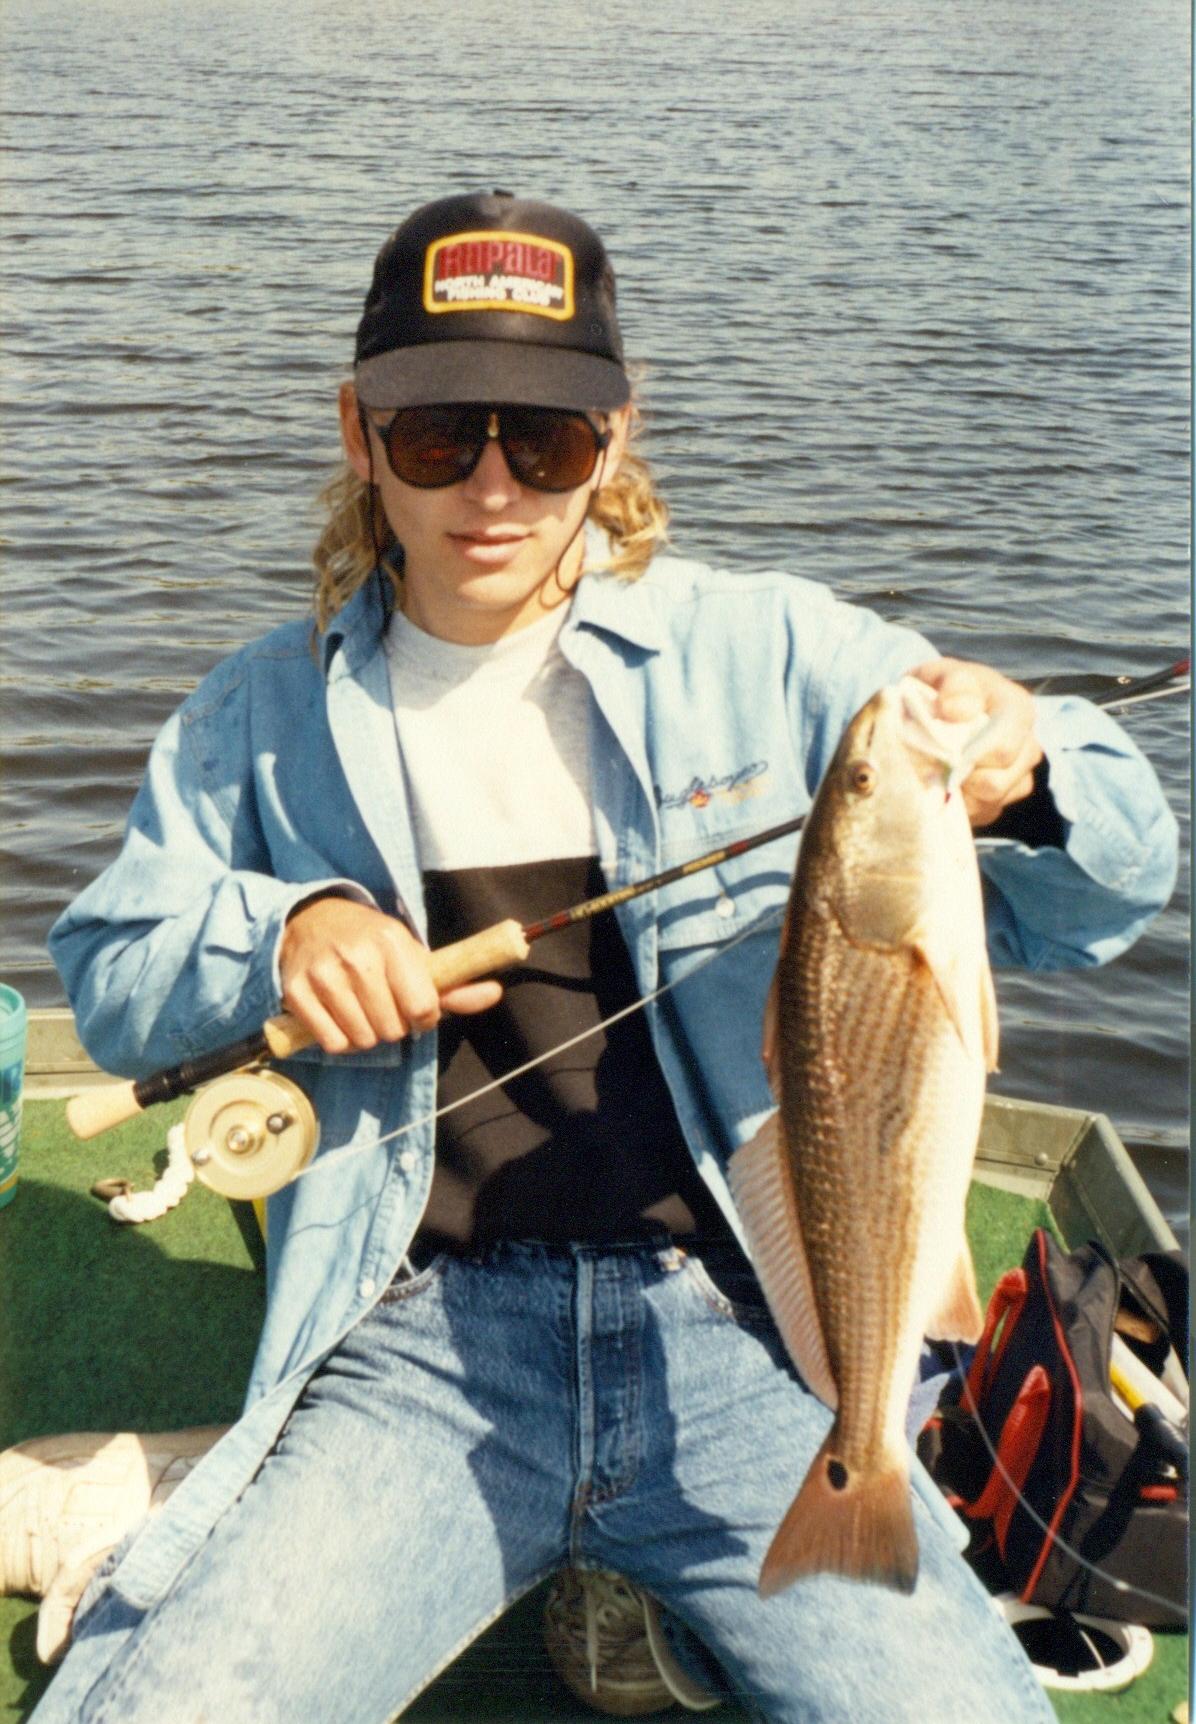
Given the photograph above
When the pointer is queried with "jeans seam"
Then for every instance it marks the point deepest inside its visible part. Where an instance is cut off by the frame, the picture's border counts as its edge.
(632, 1329)
(467, 1640)
(116, 1677)
(577, 1513)
(583, 1377)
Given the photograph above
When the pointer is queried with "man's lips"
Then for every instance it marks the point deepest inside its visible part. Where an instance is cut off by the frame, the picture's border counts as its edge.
(495, 546)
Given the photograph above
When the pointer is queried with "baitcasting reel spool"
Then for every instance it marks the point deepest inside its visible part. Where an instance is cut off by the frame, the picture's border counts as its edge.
(249, 1133)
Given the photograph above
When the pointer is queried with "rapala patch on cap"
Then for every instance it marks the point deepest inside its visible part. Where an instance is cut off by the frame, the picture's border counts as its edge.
(498, 270)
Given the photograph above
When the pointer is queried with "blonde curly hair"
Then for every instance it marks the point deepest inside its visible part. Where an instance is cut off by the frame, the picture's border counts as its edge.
(356, 530)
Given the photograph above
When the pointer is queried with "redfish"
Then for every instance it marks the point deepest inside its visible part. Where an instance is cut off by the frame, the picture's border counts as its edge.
(880, 1029)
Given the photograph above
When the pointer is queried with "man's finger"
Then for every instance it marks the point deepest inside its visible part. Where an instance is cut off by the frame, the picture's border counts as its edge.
(472, 997)
(986, 793)
(961, 692)
(409, 979)
(300, 1000)
(336, 991)
(367, 981)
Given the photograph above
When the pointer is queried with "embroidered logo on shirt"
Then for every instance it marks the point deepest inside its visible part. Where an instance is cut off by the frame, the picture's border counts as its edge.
(496, 270)
(738, 786)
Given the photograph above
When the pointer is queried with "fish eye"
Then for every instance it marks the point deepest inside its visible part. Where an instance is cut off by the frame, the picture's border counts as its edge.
(861, 775)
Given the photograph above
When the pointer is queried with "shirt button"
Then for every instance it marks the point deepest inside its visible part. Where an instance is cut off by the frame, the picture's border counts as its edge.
(724, 907)
(407, 1161)
(365, 1286)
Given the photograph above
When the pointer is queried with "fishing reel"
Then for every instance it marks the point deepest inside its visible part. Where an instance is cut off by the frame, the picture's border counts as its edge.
(250, 1132)
(244, 1136)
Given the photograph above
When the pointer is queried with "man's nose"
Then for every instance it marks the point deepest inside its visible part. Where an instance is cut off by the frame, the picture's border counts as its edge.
(492, 483)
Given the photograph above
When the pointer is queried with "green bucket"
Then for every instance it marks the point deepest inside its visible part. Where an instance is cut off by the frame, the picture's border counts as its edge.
(13, 1026)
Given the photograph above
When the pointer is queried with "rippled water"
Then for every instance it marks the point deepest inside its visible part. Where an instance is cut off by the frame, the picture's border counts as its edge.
(910, 281)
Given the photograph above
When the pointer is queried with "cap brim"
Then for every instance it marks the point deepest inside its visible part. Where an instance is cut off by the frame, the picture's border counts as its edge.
(515, 371)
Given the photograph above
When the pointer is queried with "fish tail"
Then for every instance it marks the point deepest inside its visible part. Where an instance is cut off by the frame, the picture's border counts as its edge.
(859, 1525)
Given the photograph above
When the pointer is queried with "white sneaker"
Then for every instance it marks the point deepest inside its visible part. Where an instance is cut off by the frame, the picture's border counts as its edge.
(606, 1643)
(65, 1502)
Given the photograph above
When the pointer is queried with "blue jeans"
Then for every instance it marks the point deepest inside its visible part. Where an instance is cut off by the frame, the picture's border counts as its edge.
(491, 1420)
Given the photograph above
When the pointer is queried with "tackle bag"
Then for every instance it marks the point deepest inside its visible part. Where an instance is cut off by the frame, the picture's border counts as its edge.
(1076, 1481)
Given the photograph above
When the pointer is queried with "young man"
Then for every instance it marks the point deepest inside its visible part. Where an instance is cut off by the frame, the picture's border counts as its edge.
(525, 1335)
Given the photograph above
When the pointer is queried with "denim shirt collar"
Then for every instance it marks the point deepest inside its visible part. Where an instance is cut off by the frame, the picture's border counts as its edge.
(358, 626)
(629, 610)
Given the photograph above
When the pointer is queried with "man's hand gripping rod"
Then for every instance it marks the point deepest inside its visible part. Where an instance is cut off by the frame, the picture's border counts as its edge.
(98, 1110)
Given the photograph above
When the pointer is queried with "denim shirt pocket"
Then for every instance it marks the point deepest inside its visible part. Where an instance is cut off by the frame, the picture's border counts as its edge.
(727, 899)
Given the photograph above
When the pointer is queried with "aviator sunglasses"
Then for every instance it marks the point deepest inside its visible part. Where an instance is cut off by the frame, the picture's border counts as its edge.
(546, 448)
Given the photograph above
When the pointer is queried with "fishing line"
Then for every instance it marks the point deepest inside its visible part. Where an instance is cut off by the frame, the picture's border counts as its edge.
(772, 919)
(1114, 1580)
(348, 1150)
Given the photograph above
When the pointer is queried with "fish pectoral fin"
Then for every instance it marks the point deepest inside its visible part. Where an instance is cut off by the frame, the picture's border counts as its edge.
(958, 1316)
(763, 1191)
(941, 958)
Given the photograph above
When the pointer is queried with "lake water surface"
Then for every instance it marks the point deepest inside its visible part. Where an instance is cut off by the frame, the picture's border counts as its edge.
(910, 282)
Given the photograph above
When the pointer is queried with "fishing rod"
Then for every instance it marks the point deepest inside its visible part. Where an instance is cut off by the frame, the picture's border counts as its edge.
(1127, 690)
(494, 949)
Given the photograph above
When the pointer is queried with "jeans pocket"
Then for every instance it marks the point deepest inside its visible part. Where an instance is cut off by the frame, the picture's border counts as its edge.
(729, 1287)
(408, 1281)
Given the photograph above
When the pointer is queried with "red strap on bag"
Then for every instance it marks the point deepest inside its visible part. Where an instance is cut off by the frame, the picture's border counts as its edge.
(1020, 1437)
(1009, 1296)
(1040, 1243)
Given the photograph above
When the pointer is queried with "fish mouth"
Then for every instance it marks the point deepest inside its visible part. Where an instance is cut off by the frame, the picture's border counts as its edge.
(943, 752)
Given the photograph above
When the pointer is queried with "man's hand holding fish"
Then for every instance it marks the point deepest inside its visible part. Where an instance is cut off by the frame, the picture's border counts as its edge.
(1004, 771)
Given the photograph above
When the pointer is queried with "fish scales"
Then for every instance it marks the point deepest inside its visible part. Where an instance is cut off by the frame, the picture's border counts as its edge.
(882, 1025)
(861, 1221)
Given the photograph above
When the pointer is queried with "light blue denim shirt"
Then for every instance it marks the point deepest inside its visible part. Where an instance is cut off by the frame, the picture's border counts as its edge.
(717, 700)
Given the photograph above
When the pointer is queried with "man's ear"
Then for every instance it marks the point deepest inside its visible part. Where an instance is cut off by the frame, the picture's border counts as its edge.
(353, 433)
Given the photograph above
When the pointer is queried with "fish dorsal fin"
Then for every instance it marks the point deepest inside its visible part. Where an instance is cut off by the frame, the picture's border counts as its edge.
(763, 1193)
(958, 1316)
(770, 1044)
(770, 1049)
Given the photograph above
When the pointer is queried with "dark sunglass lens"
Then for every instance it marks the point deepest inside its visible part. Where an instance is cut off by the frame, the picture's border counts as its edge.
(547, 450)
(434, 446)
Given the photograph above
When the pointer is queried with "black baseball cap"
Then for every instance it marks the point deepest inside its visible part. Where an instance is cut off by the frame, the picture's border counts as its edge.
(488, 297)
